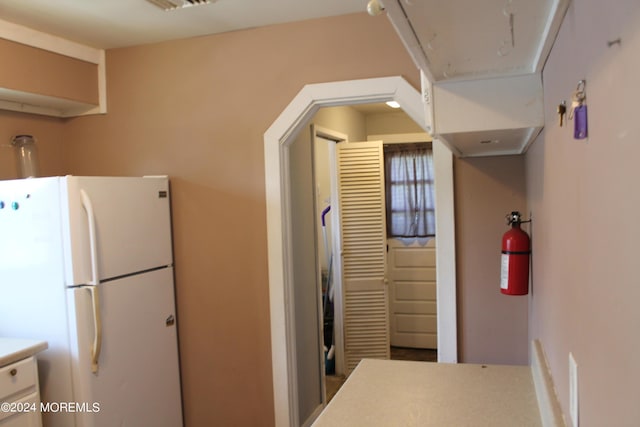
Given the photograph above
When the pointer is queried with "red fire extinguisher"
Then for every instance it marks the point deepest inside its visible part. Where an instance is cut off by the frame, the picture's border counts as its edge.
(514, 275)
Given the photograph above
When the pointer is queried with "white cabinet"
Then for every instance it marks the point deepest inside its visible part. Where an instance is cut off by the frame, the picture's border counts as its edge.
(482, 65)
(496, 116)
(20, 394)
(49, 75)
(19, 389)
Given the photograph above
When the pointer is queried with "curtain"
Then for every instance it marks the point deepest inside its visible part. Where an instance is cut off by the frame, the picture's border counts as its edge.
(409, 190)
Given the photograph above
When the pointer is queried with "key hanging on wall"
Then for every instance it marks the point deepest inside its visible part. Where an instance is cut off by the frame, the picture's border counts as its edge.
(562, 110)
(579, 111)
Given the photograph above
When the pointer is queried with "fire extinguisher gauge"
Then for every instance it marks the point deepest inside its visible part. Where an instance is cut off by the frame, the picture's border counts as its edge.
(514, 217)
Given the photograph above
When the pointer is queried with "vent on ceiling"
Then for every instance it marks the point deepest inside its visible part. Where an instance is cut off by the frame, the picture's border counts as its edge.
(178, 4)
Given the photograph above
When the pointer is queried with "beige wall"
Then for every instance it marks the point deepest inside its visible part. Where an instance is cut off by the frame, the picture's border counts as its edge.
(584, 199)
(390, 123)
(49, 135)
(345, 120)
(197, 110)
(492, 327)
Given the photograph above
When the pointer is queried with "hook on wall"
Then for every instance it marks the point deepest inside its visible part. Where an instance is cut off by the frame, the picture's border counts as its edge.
(617, 41)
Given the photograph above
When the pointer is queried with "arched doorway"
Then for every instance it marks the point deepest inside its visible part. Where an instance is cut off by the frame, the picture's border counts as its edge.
(276, 139)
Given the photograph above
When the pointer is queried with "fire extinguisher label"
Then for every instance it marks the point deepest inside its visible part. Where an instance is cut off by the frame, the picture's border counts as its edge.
(504, 272)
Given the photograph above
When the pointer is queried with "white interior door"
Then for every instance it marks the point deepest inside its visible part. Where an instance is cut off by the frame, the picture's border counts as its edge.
(413, 308)
(306, 290)
(360, 170)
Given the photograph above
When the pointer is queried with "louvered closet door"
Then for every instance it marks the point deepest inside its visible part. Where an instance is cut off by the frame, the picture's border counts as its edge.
(362, 221)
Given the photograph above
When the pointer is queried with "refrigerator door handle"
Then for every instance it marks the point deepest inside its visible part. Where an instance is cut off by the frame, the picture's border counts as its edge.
(95, 281)
(88, 207)
(97, 328)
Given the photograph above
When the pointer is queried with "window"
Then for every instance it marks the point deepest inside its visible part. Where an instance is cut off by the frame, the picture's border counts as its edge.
(409, 190)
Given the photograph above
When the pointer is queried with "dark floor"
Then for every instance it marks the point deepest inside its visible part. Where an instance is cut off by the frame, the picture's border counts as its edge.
(418, 354)
(333, 382)
(332, 385)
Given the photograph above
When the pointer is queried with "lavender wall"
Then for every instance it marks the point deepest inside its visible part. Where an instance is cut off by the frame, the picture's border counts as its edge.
(584, 200)
(492, 327)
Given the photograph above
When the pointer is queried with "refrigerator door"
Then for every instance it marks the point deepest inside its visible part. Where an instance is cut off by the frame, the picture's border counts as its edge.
(30, 225)
(32, 293)
(132, 226)
(138, 381)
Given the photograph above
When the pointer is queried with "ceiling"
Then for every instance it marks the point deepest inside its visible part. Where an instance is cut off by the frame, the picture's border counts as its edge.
(107, 24)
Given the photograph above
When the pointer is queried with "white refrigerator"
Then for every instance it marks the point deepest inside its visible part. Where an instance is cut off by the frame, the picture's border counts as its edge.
(86, 264)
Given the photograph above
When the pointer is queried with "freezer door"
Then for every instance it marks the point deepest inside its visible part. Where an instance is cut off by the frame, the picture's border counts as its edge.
(138, 381)
(131, 226)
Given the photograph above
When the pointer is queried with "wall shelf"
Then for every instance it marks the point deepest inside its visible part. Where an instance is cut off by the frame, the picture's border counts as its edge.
(482, 68)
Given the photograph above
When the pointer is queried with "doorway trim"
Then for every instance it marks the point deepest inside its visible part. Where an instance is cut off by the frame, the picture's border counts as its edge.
(282, 133)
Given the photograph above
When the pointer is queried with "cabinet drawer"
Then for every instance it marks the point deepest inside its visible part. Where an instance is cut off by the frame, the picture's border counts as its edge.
(26, 413)
(17, 377)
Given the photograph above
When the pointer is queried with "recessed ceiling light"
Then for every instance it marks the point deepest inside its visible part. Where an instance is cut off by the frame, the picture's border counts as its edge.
(393, 104)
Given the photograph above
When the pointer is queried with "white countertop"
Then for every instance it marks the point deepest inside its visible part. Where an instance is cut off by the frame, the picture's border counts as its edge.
(14, 349)
(399, 393)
